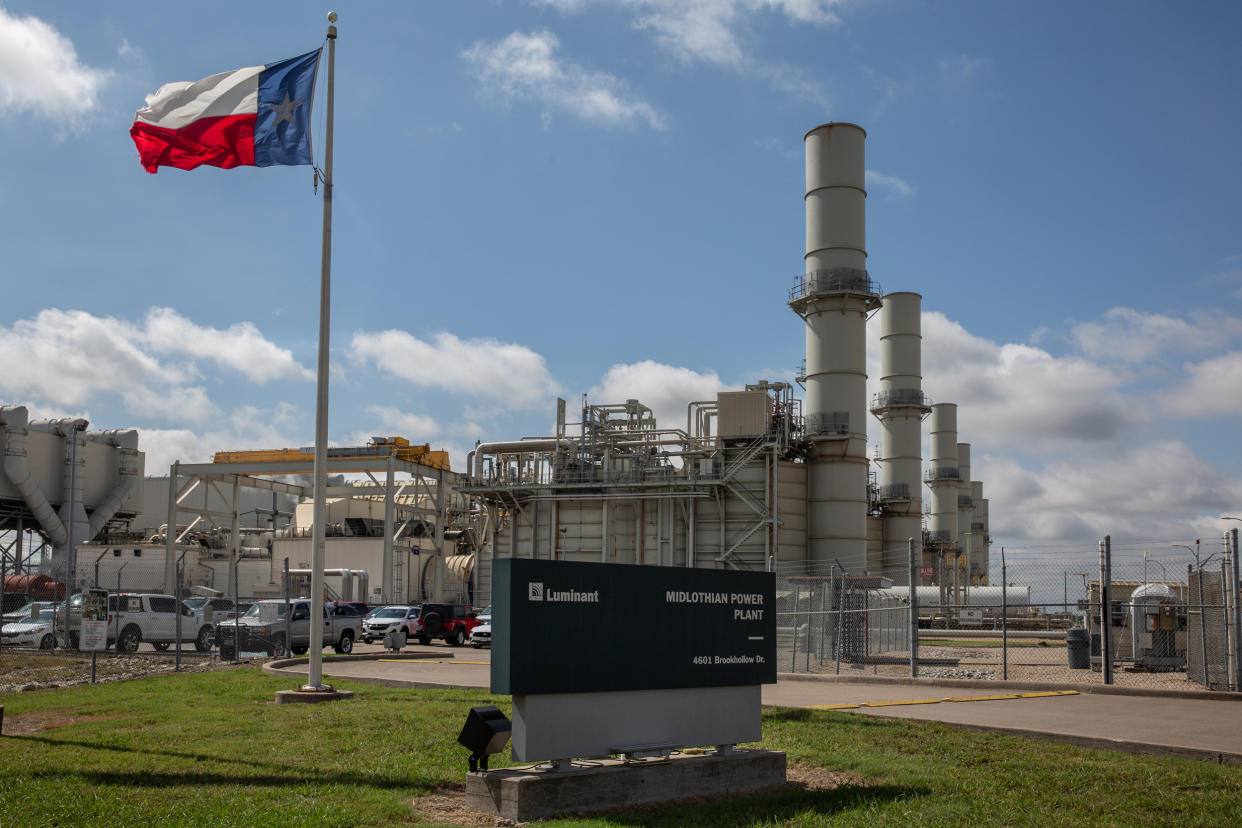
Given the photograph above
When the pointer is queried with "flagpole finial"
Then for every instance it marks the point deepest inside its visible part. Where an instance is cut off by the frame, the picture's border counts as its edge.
(332, 17)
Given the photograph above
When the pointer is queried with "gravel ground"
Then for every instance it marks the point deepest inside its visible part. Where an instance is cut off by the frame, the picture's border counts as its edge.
(1026, 663)
(22, 670)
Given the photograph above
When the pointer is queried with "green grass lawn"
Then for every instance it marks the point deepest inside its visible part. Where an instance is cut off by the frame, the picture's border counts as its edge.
(213, 749)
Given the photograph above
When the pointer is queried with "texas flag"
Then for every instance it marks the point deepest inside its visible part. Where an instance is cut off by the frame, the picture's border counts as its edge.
(258, 116)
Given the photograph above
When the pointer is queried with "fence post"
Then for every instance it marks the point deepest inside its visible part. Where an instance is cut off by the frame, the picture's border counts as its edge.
(1004, 619)
(793, 648)
(1106, 608)
(840, 620)
(1237, 614)
(914, 614)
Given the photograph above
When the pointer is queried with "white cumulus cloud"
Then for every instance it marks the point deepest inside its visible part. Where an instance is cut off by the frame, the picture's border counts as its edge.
(718, 33)
(40, 73)
(526, 67)
(1130, 335)
(1212, 387)
(70, 358)
(890, 183)
(241, 346)
(509, 373)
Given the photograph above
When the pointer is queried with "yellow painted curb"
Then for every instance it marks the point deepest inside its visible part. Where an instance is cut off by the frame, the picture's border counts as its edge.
(1047, 693)
(903, 701)
(984, 698)
(455, 661)
(409, 660)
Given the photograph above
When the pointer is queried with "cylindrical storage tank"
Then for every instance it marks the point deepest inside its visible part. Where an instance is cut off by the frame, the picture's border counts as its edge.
(943, 478)
(833, 298)
(38, 587)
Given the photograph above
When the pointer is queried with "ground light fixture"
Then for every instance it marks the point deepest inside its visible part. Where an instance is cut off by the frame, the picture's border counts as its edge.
(486, 731)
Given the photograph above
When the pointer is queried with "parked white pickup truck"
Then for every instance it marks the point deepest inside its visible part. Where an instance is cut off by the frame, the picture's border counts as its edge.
(262, 628)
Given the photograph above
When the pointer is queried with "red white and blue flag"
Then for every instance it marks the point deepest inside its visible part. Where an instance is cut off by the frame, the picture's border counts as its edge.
(257, 116)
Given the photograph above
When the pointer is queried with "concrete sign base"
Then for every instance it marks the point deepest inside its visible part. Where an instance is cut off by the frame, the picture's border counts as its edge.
(523, 795)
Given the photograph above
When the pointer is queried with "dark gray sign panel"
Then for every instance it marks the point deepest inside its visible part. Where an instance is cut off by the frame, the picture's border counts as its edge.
(570, 627)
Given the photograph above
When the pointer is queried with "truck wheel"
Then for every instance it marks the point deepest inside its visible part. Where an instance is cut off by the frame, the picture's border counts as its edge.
(162, 646)
(204, 640)
(456, 638)
(346, 644)
(276, 647)
(299, 650)
(129, 640)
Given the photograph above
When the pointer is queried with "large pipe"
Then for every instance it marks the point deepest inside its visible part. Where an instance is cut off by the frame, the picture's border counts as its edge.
(833, 298)
(126, 445)
(16, 429)
(900, 407)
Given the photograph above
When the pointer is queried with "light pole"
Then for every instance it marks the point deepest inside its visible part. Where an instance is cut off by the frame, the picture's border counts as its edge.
(1194, 553)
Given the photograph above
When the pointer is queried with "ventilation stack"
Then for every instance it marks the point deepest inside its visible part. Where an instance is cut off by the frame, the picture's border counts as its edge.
(901, 407)
(833, 297)
(975, 555)
(943, 479)
(985, 536)
(965, 513)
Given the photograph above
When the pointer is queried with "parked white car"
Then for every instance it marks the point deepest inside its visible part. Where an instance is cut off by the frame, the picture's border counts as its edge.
(31, 631)
(383, 620)
(481, 636)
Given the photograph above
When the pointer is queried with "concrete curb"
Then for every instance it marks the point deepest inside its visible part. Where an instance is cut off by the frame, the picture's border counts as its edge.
(280, 668)
(988, 684)
(1097, 743)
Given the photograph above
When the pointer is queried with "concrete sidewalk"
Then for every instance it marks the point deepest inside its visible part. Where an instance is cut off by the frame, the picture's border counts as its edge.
(1205, 726)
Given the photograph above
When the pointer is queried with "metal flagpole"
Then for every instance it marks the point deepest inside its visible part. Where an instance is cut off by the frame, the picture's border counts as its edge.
(315, 675)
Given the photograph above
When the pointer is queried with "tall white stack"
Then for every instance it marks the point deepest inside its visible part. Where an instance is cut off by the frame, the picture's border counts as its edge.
(965, 509)
(833, 298)
(900, 407)
(943, 476)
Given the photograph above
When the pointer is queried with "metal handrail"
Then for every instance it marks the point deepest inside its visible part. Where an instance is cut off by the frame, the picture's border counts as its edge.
(833, 280)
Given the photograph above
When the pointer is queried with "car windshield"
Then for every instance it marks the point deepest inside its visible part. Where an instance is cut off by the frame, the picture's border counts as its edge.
(389, 612)
(257, 609)
(487, 610)
(194, 603)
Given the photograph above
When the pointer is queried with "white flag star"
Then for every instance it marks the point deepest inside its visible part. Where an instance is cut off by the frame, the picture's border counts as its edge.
(284, 110)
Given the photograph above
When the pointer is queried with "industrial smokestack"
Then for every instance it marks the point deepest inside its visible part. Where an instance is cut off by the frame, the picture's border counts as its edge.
(900, 406)
(943, 478)
(977, 553)
(965, 510)
(833, 297)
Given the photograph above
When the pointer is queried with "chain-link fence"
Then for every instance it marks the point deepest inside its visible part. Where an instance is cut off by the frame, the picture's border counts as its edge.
(1168, 624)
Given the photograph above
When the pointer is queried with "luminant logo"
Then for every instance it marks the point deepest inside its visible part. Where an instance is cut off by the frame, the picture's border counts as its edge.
(534, 591)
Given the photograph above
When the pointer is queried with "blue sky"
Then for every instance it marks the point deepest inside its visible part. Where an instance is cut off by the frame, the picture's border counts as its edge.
(548, 197)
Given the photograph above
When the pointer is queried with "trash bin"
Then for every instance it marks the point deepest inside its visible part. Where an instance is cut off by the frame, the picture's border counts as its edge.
(1078, 647)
